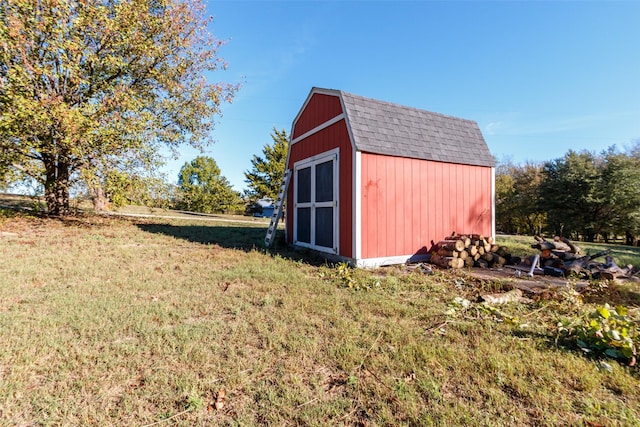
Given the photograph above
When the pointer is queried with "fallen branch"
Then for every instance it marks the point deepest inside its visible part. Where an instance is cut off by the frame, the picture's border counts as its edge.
(167, 419)
(369, 351)
(307, 402)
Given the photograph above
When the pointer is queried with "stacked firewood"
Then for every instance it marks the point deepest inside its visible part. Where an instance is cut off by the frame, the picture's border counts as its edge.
(469, 250)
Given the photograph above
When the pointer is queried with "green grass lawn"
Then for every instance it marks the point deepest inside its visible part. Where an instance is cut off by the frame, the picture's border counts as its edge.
(107, 321)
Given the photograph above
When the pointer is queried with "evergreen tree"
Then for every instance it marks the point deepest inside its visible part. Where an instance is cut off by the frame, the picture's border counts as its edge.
(266, 174)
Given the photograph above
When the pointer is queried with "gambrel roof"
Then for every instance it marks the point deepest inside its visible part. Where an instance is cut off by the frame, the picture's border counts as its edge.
(386, 128)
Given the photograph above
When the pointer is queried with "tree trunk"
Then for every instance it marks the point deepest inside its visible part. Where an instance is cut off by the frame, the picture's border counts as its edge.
(56, 187)
(99, 198)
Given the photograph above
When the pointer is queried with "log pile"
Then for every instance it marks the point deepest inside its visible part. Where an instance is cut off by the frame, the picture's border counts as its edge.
(469, 250)
(558, 257)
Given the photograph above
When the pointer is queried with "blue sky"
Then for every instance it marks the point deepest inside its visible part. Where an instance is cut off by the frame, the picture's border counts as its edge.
(540, 78)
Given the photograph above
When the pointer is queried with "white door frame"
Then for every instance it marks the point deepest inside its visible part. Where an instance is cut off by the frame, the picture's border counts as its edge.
(312, 162)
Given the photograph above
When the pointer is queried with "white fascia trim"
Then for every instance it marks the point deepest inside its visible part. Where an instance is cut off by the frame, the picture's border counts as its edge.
(318, 128)
(394, 260)
(348, 123)
(369, 262)
(357, 205)
(493, 203)
(322, 249)
(317, 157)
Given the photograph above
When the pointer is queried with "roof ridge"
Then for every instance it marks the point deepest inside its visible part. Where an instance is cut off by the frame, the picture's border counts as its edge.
(394, 104)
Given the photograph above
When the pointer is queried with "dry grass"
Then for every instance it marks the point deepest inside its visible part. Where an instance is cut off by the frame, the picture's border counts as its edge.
(109, 321)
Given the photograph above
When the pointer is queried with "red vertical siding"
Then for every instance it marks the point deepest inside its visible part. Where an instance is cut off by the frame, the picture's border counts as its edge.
(334, 136)
(406, 203)
(318, 110)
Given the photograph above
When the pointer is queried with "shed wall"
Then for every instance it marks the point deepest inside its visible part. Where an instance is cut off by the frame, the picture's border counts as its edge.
(334, 136)
(319, 109)
(406, 203)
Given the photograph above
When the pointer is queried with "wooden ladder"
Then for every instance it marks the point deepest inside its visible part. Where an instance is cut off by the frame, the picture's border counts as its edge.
(277, 212)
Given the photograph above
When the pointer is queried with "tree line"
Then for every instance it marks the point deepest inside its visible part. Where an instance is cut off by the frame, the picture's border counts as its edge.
(201, 187)
(583, 195)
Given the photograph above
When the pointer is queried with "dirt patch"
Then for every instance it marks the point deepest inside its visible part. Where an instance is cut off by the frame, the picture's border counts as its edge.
(537, 283)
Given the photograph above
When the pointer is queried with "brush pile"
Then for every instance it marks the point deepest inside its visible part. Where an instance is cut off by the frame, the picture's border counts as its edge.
(560, 257)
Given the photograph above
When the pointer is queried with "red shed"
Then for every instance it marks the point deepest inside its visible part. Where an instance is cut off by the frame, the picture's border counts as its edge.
(374, 182)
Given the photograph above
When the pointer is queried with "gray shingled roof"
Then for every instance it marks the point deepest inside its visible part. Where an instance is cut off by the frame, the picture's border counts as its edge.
(386, 128)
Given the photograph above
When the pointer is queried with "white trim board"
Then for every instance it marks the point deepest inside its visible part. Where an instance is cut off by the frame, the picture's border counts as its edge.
(356, 224)
(318, 128)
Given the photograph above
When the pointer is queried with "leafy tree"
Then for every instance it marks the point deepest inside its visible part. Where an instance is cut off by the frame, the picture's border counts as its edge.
(204, 189)
(632, 233)
(266, 174)
(7, 178)
(505, 191)
(87, 86)
(528, 179)
(122, 188)
(621, 190)
(517, 202)
(569, 194)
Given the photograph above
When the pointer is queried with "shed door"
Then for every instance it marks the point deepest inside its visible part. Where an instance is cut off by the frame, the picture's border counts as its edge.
(316, 203)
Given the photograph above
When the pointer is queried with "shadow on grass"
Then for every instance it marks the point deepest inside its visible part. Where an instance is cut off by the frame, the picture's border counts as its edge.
(231, 237)
(234, 237)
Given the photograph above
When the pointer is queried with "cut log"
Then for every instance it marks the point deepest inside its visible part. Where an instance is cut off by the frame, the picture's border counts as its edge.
(451, 245)
(499, 261)
(469, 262)
(544, 245)
(463, 255)
(488, 256)
(514, 295)
(482, 263)
(481, 250)
(446, 262)
(572, 248)
(503, 251)
(465, 239)
(448, 253)
(472, 250)
(460, 245)
(495, 248)
(560, 245)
